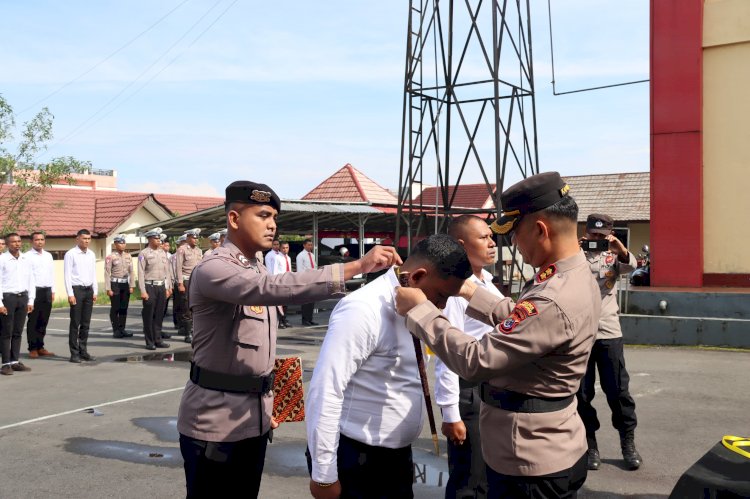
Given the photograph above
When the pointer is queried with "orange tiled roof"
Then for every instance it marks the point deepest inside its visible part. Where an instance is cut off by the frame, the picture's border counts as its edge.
(61, 212)
(351, 185)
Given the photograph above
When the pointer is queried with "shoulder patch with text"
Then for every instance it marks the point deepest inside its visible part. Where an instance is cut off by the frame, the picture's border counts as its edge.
(546, 273)
(523, 310)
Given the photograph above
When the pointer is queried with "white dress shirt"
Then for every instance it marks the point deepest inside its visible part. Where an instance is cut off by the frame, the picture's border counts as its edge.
(272, 261)
(366, 381)
(80, 270)
(303, 261)
(43, 268)
(283, 262)
(446, 386)
(16, 276)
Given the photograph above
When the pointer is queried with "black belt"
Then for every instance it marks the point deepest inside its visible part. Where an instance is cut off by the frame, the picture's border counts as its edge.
(22, 293)
(78, 286)
(519, 402)
(223, 382)
(43, 287)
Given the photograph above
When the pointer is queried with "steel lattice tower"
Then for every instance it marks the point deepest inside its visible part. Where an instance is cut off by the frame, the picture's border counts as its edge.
(468, 105)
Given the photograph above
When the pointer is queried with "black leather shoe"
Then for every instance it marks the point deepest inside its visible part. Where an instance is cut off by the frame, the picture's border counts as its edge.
(632, 459)
(125, 334)
(86, 356)
(118, 335)
(162, 345)
(166, 336)
(150, 347)
(75, 359)
(281, 325)
(594, 461)
(189, 338)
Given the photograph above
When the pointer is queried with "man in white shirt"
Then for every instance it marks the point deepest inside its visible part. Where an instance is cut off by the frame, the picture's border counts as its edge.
(44, 278)
(306, 261)
(365, 403)
(282, 264)
(17, 293)
(457, 398)
(81, 286)
(271, 256)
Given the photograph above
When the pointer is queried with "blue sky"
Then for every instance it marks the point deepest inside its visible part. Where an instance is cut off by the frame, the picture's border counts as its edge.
(288, 93)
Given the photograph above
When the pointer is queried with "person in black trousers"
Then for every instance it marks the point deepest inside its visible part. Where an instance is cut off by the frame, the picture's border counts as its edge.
(17, 292)
(82, 288)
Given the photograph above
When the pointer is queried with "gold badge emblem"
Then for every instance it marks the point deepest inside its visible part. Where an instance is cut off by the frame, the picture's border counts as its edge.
(565, 189)
(256, 309)
(546, 273)
(260, 196)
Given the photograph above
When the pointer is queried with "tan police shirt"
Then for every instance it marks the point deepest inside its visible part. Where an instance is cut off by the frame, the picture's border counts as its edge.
(539, 347)
(186, 259)
(153, 265)
(607, 268)
(119, 266)
(232, 298)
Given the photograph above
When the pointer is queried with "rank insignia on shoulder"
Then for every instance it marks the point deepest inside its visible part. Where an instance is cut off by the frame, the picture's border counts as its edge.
(546, 273)
(525, 309)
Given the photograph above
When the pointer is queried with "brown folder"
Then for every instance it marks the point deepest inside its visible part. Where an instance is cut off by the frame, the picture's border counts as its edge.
(288, 404)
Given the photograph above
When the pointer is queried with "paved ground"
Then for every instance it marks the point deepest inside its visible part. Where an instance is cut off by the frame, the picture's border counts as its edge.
(107, 428)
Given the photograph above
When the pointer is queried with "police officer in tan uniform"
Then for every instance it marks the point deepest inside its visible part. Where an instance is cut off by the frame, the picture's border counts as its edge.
(533, 440)
(213, 242)
(155, 282)
(607, 354)
(224, 419)
(186, 258)
(119, 282)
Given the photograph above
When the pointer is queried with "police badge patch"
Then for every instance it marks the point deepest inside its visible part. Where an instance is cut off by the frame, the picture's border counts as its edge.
(508, 324)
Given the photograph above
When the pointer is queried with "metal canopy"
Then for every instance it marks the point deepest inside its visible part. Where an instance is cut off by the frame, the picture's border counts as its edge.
(295, 217)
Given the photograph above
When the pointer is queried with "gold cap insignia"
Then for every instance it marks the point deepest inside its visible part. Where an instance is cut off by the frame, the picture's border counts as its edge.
(260, 196)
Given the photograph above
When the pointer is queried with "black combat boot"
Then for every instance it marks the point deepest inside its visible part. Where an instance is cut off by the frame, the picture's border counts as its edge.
(632, 459)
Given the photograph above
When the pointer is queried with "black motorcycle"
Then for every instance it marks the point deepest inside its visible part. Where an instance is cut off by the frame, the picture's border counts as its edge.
(642, 275)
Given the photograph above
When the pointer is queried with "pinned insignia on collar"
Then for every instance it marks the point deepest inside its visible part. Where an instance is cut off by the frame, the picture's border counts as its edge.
(244, 261)
(260, 196)
(546, 273)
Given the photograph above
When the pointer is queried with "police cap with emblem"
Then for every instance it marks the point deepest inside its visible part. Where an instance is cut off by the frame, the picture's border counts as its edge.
(119, 238)
(163, 237)
(528, 196)
(244, 191)
(181, 239)
(214, 237)
(596, 223)
(192, 232)
(153, 233)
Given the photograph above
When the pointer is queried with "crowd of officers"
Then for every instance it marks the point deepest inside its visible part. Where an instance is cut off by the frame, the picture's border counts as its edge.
(27, 291)
(531, 362)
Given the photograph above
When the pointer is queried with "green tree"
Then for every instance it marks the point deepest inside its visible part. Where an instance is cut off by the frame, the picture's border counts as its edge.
(29, 179)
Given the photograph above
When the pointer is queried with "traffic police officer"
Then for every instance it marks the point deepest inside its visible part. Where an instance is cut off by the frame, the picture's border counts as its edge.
(178, 306)
(119, 282)
(532, 362)
(607, 354)
(187, 257)
(155, 282)
(225, 419)
(214, 242)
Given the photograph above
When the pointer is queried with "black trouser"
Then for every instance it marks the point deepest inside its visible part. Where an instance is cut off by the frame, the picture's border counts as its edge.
(563, 484)
(80, 319)
(307, 312)
(466, 466)
(11, 325)
(36, 325)
(372, 472)
(223, 469)
(180, 309)
(186, 316)
(153, 313)
(118, 310)
(608, 357)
